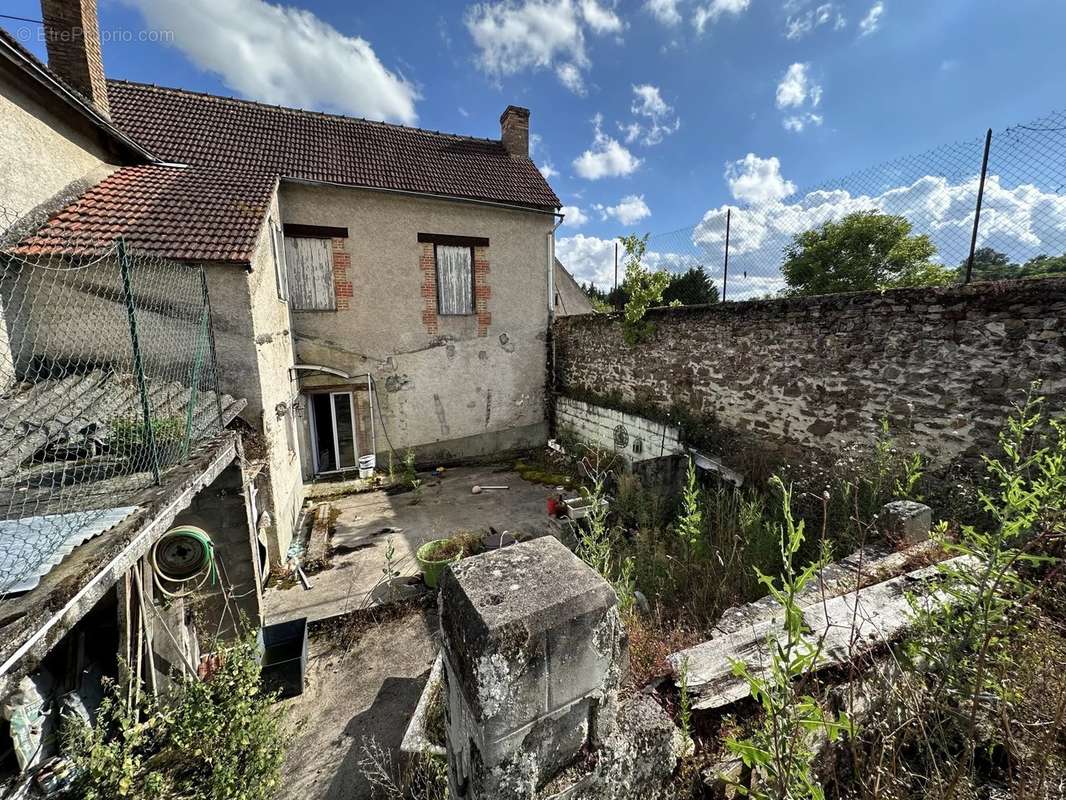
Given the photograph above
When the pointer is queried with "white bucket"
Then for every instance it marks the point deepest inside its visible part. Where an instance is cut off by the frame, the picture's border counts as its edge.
(367, 464)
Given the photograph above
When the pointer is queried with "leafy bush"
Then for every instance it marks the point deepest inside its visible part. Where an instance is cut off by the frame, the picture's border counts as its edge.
(217, 739)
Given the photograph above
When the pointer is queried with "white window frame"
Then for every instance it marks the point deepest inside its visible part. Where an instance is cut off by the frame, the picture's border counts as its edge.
(333, 423)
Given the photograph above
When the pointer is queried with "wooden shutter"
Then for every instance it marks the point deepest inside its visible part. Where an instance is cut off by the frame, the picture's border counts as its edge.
(310, 266)
(455, 279)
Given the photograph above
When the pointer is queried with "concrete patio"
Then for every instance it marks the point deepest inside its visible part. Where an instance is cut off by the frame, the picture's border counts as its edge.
(367, 523)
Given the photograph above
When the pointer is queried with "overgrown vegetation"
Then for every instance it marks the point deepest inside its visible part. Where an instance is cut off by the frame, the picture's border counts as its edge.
(982, 644)
(971, 703)
(214, 739)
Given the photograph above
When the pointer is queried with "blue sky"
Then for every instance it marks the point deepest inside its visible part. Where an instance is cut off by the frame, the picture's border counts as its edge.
(645, 111)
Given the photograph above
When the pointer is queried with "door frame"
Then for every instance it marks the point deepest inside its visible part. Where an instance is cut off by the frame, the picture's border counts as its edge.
(332, 391)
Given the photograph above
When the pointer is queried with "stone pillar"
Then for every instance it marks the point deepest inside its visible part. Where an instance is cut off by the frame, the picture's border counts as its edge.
(534, 652)
(905, 522)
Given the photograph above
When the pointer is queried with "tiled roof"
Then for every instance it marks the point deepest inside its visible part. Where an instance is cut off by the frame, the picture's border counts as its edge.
(236, 150)
(188, 213)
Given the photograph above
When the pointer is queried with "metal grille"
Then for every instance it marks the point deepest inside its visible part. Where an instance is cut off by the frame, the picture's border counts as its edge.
(1008, 217)
(107, 380)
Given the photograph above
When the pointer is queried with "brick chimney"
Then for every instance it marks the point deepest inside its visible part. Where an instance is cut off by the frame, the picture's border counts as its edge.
(514, 131)
(72, 35)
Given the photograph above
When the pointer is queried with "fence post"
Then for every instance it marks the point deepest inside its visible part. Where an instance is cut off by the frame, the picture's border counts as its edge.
(977, 211)
(211, 339)
(138, 363)
(725, 271)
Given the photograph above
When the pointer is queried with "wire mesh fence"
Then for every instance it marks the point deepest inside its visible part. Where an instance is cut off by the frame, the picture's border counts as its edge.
(107, 380)
(939, 217)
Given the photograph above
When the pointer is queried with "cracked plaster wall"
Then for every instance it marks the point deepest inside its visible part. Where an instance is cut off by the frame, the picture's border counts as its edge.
(453, 393)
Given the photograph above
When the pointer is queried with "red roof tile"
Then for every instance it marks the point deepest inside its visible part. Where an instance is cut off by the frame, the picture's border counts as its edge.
(238, 149)
(191, 213)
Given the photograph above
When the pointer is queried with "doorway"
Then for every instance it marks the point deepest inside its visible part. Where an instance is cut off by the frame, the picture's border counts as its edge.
(334, 442)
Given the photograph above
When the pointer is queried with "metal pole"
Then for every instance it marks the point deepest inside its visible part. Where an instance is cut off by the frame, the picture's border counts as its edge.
(977, 211)
(725, 270)
(138, 364)
(211, 336)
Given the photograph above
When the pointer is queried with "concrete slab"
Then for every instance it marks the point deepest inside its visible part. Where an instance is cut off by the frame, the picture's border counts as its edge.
(370, 689)
(367, 522)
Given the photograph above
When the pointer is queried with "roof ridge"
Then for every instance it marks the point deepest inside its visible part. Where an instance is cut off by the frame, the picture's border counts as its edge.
(300, 111)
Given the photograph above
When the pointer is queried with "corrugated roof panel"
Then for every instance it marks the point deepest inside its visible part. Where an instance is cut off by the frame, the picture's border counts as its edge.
(33, 546)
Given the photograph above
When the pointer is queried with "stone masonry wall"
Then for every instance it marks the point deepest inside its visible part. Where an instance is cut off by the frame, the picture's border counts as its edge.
(946, 363)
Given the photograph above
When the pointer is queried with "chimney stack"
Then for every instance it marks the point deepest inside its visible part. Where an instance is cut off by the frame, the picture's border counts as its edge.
(72, 35)
(514, 131)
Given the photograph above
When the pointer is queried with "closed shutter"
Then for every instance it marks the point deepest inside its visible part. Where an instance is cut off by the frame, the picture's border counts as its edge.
(310, 267)
(455, 280)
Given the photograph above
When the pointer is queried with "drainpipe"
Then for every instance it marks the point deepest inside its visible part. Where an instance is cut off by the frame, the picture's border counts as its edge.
(550, 404)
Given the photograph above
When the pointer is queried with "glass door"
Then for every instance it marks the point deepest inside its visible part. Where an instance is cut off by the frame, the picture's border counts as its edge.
(333, 431)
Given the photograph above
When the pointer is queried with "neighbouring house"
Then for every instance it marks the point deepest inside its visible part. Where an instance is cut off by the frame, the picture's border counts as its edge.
(570, 298)
(375, 288)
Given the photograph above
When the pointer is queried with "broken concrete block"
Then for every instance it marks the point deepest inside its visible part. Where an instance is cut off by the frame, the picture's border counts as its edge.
(905, 521)
(534, 652)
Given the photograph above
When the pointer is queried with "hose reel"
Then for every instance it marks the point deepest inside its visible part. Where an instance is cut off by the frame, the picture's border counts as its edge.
(183, 555)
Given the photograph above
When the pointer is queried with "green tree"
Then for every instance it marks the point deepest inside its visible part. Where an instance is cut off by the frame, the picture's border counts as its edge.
(863, 251)
(643, 287)
(691, 288)
(989, 265)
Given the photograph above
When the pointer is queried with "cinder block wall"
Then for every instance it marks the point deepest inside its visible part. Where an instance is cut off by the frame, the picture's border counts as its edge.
(815, 372)
(632, 437)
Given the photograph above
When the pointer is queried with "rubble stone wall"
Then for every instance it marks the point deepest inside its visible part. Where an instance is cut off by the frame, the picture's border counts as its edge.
(945, 364)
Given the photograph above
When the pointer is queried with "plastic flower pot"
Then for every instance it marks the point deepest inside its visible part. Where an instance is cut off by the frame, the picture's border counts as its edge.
(432, 565)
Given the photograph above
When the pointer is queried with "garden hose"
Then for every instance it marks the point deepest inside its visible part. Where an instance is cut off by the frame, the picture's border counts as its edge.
(184, 554)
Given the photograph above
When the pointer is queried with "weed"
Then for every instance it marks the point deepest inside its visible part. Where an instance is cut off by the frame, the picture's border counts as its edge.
(778, 755)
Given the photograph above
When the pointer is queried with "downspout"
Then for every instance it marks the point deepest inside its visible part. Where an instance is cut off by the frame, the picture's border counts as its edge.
(550, 404)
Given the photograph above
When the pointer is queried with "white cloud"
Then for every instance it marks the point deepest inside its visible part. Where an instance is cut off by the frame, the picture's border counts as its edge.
(630, 209)
(665, 11)
(285, 55)
(658, 118)
(799, 94)
(757, 180)
(872, 21)
(588, 258)
(648, 102)
(793, 89)
(574, 217)
(600, 19)
(798, 26)
(512, 36)
(797, 123)
(548, 171)
(710, 12)
(606, 158)
(571, 77)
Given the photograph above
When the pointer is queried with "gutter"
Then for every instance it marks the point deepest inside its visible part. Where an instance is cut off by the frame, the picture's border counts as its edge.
(72, 98)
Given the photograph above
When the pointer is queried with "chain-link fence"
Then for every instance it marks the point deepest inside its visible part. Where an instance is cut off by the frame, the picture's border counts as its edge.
(107, 380)
(990, 208)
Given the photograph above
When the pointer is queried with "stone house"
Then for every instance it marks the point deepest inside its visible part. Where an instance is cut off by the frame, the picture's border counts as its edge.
(375, 288)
